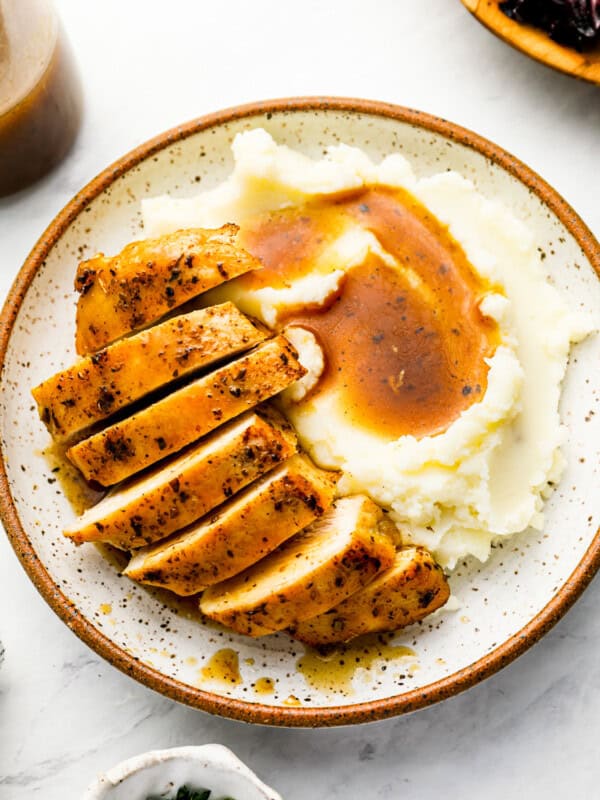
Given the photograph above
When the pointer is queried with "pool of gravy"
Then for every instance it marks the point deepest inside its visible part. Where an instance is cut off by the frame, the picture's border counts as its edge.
(80, 494)
(404, 346)
(264, 685)
(222, 667)
(333, 670)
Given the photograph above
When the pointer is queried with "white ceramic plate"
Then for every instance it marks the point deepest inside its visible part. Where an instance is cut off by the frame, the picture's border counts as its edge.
(507, 604)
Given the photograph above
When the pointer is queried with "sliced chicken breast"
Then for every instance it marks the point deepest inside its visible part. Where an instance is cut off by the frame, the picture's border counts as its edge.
(180, 418)
(240, 532)
(128, 292)
(183, 490)
(407, 592)
(316, 569)
(99, 385)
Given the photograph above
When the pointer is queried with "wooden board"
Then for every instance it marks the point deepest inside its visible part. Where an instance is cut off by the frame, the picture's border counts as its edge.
(536, 43)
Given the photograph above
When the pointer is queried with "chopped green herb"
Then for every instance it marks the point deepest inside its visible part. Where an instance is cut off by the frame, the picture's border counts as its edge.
(185, 793)
(189, 794)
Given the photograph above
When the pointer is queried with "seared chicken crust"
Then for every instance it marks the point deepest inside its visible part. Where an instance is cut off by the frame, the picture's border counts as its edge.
(147, 279)
(97, 386)
(180, 418)
(411, 589)
(239, 533)
(175, 494)
(316, 569)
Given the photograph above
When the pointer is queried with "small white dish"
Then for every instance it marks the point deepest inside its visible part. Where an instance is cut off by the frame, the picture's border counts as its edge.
(160, 773)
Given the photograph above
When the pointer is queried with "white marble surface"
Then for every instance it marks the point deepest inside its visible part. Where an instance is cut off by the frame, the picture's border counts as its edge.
(147, 65)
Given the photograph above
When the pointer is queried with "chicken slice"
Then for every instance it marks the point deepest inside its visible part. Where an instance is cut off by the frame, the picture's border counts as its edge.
(318, 568)
(180, 418)
(407, 592)
(183, 490)
(127, 292)
(240, 532)
(99, 385)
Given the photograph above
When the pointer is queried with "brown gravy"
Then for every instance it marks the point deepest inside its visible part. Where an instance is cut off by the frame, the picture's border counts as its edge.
(404, 348)
(333, 671)
(222, 667)
(80, 494)
(264, 686)
(38, 128)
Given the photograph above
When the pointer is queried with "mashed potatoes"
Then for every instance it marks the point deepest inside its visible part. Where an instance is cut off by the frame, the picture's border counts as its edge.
(487, 474)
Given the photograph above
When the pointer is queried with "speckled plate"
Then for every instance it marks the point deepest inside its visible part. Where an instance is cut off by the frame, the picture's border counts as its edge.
(507, 604)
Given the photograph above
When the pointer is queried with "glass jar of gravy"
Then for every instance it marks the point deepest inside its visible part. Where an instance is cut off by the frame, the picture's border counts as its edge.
(40, 93)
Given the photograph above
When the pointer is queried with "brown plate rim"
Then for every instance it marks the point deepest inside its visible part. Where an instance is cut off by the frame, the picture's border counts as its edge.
(176, 690)
(551, 47)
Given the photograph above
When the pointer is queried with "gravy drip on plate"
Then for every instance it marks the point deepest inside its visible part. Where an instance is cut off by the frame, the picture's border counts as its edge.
(333, 670)
(80, 494)
(404, 346)
(222, 667)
